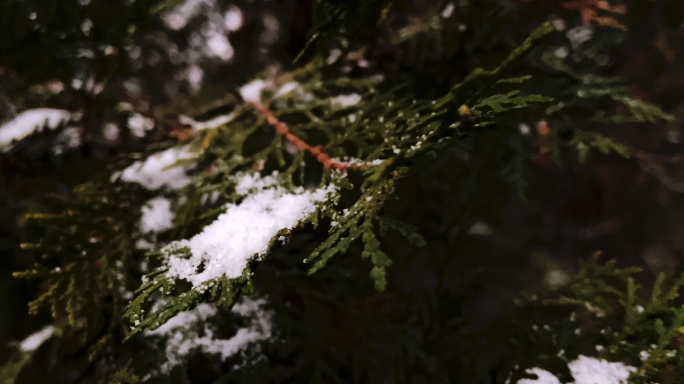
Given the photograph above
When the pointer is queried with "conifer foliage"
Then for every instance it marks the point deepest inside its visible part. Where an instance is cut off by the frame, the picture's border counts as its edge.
(258, 242)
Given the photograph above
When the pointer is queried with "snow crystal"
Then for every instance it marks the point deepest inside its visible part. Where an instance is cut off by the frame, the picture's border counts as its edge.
(183, 336)
(158, 171)
(37, 339)
(586, 370)
(156, 215)
(30, 121)
(543, 377)
(140, 124)
(344, 101)
(252, 90)
(244, 230)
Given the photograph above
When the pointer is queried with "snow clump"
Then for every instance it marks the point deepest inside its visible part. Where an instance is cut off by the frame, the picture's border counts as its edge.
(29, 122)
(158, 170)
(345, 101)
(190, 331)
(244, 230)
(586, 370)
(157, 215)
(35, 340)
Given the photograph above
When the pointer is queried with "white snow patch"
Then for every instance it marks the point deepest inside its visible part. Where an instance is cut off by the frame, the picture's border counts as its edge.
(524, 129)
(579, 35)
(287, 88)
(559, 24)
(184, 319)
(543, 377)
(586, 370)
(195, 77)
(219, 46)
(247, 183)
(562, 52)
(244, 230)
(233, 18)
(480, 229)
(30, 121)
(212, 123)
(140, 124)
(344, 101)
(158, 170)
(190, 331)
(144, 244)
(352, 161)
(110, 131)
(252, 90)
(157, 215)
(37, 339)
(334, 55)
(69, 138)
(448, 10)
(179, 16)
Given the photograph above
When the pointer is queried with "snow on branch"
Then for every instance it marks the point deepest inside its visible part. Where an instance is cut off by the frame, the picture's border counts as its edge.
(244, 230)
(29, 122)
(36, 339)
(156, 215)
(192, 330)
(585, 370)
(160, 170)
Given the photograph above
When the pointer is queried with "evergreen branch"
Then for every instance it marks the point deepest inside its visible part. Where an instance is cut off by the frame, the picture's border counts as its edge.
(283, 130)
(480, 80)
(183, 302)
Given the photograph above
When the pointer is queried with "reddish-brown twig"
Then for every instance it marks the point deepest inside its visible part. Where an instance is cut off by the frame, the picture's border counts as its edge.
(589, 11)
(282, 129)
